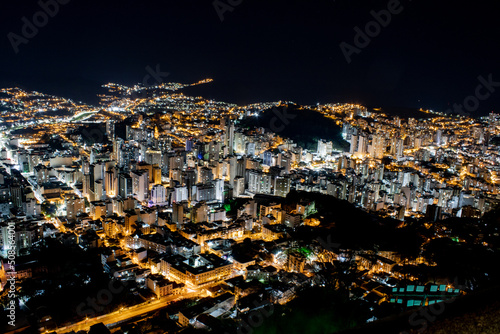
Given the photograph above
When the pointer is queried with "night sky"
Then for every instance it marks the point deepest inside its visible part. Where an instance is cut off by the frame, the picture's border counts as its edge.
(430, 55)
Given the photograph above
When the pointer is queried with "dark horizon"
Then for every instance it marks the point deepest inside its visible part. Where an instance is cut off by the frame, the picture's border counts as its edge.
(429, 55)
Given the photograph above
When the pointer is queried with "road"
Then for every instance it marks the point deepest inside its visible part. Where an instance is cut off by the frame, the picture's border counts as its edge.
(125, 314)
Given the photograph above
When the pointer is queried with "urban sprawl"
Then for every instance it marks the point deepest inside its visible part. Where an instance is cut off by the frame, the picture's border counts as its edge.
(180, 202)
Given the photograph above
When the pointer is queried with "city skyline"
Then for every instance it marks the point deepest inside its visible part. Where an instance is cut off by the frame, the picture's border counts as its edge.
(249, 167)
(191, 201)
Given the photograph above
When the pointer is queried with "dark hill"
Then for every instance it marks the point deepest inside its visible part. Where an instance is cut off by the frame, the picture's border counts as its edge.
(303, 126)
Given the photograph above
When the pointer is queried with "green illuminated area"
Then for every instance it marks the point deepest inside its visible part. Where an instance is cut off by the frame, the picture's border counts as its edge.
(231, 205)
(305, 251)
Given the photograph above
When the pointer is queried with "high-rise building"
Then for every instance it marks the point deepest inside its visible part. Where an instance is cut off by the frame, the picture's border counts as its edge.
(354, 144)
(378, 147)
(74, 206)
(118, 152)
(267, 158)
(254, 178)
(125, 185)
(205, 175)
(324, 148)
(180, 194)
(282, 186)
(177, 213)
(110, 183)
(230, 137)
(362, 144)
(158, 194)
(99, 192)
(205, 192)
(17, 195)
(140, 184)
(239, 186)
(110, 129)
(233, 169)
(189, 145)
(219, 190)
(439, 135)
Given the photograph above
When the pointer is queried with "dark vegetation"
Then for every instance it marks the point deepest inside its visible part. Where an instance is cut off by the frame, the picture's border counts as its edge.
(303, 126)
